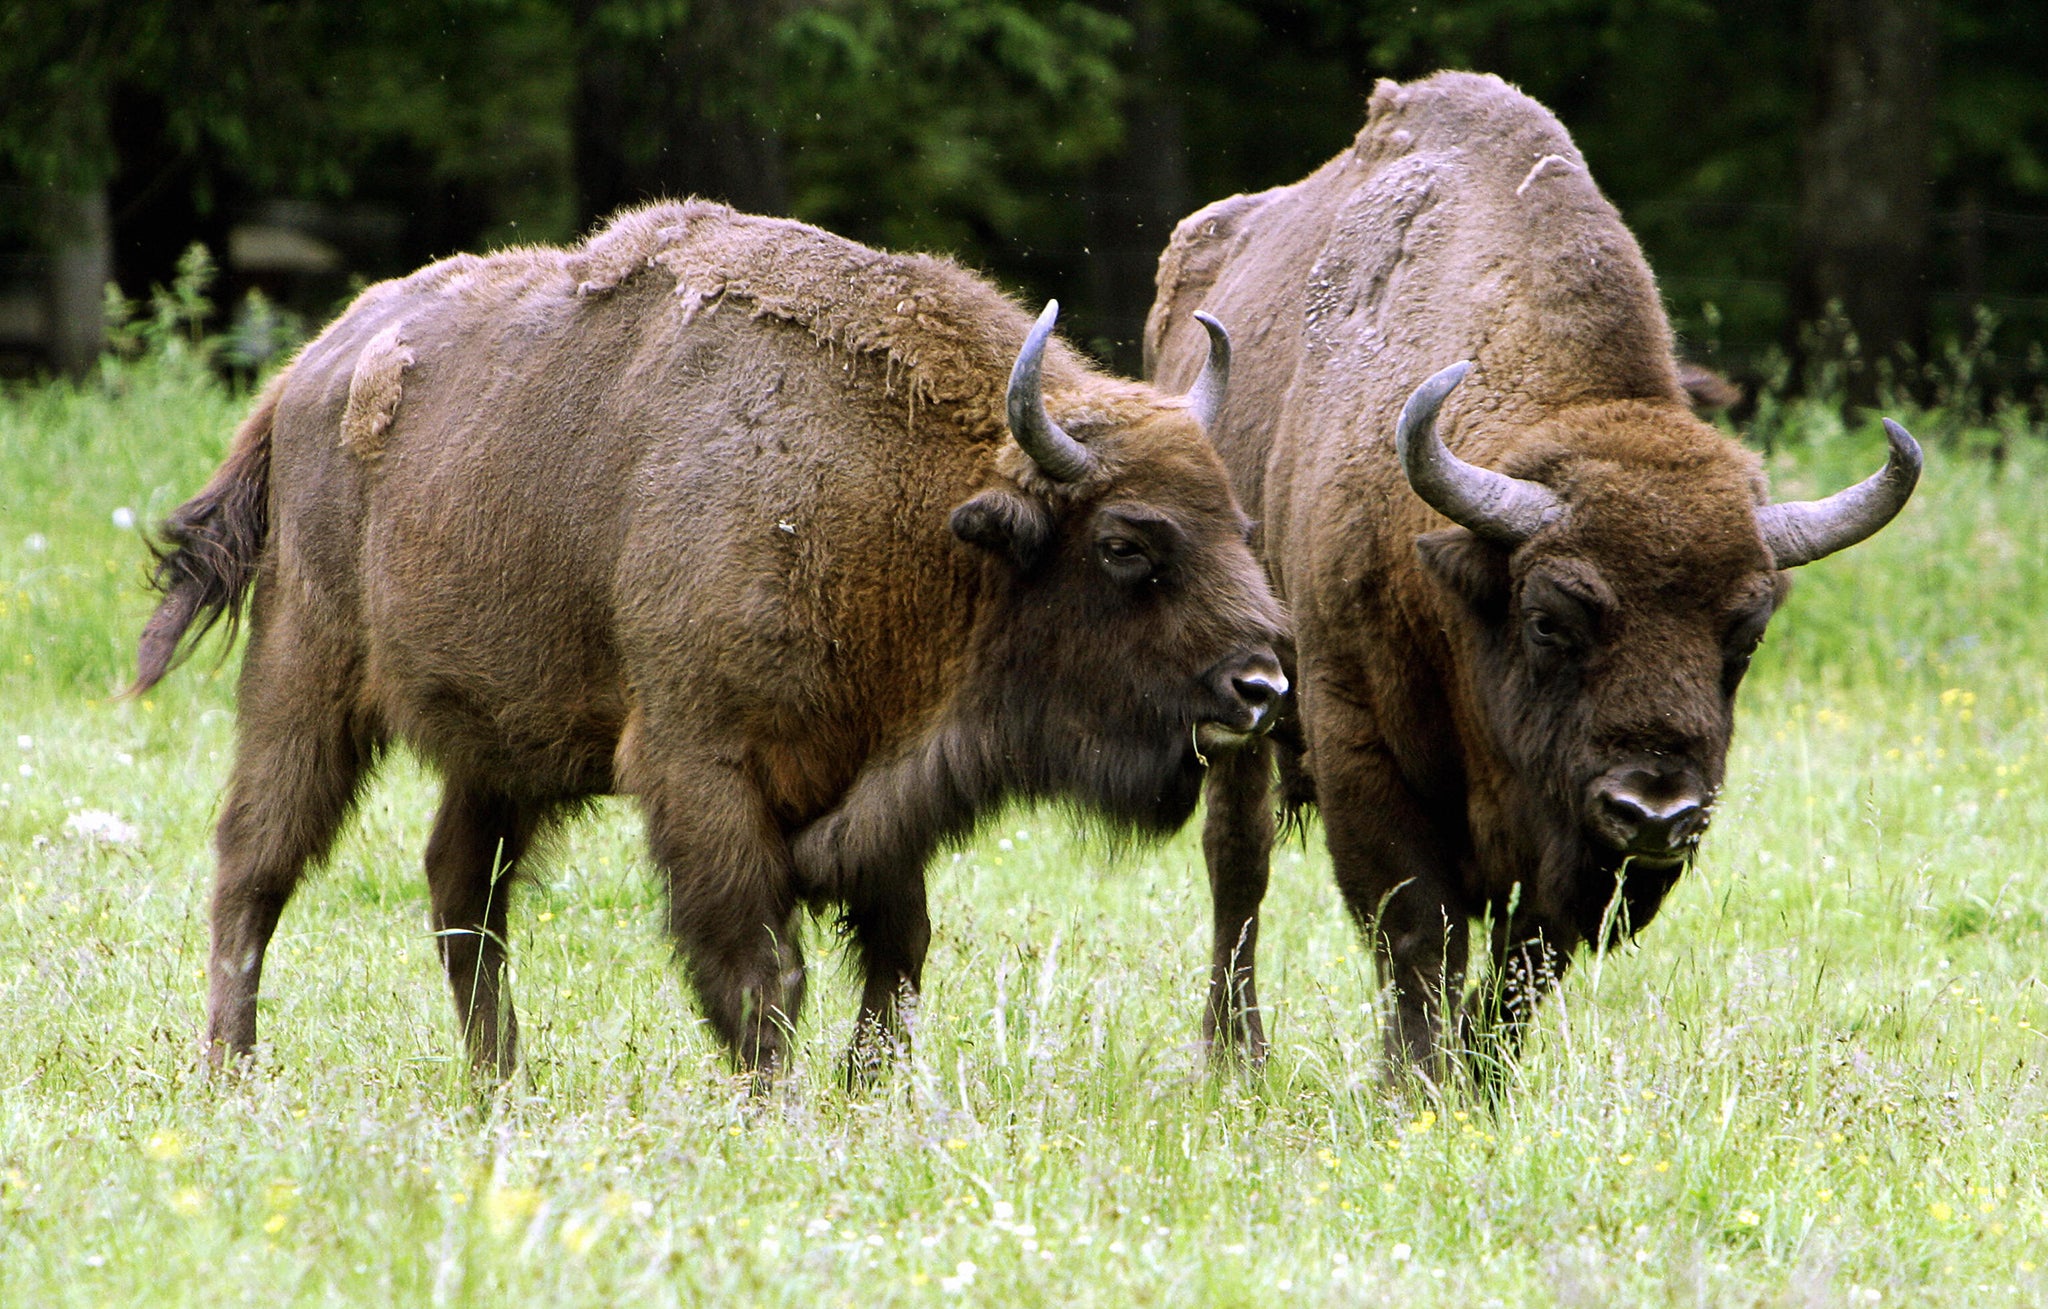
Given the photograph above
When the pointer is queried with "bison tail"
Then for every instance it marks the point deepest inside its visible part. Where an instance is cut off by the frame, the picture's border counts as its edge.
(209, 551)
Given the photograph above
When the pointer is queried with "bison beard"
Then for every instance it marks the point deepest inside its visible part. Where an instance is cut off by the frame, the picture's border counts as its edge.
(1516, 662)
(723, 513)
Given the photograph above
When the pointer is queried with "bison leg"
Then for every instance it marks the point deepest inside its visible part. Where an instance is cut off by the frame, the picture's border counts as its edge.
(732, 912)
(1421, 945)
(298, 762)
(479, 838)
(1237, 845)
(1396, 877)
(890, 934)
(869, 855)
(1528, 963)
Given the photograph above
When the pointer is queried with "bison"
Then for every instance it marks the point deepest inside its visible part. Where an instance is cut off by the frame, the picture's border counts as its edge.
(1521, 617)
(741, 519)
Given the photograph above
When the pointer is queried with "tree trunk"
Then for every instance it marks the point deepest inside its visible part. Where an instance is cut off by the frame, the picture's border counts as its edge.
(81, 265)
(1864, 206)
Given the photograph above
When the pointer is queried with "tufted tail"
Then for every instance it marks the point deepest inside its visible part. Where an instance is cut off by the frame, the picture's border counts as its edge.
(210, 548)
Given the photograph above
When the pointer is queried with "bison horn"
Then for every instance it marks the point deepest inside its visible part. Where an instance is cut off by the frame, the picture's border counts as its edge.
(1801, 531)
(1062, 458)
(1503, 509)
(1205, 397)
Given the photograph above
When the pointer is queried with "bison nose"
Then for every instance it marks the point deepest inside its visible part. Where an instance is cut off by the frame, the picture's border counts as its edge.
(1261, 689)
(1653, 826)
(1247, 691)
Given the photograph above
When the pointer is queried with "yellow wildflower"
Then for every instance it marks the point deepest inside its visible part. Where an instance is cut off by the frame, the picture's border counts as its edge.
(509, 1206)
(164, 1146)
(577, 1234)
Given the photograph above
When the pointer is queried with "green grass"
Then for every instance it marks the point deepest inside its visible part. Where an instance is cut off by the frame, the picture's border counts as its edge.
(1816, 1080)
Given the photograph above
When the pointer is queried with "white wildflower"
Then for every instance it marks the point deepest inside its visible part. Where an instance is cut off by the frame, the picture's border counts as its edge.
(36, 543)
(99, 825)
(124, 518)
(962, 1278)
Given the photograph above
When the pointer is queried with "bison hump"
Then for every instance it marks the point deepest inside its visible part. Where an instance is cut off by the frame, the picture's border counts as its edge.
(941, 332)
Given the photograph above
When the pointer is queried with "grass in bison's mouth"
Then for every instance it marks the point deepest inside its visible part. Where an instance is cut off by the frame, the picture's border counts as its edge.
(1818, 1073)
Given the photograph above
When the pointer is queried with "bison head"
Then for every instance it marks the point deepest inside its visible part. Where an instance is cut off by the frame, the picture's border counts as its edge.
(1133, 629)
(1611, 596)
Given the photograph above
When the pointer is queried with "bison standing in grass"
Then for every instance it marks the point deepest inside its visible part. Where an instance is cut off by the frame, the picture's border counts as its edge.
(741, 519)
(1524, 601)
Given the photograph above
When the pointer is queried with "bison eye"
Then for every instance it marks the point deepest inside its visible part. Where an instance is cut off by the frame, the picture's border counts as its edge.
(1124, 559)
(1545, 630)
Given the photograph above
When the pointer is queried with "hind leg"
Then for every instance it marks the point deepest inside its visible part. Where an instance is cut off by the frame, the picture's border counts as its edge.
(732, 907)
(479, 838)
(298, 761)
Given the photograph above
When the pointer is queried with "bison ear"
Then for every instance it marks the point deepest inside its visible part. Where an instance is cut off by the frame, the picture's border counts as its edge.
(1004, 523)
(1476, 571)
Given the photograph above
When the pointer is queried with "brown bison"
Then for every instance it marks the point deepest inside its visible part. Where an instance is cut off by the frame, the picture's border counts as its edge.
(724, 513)
(1520, 624)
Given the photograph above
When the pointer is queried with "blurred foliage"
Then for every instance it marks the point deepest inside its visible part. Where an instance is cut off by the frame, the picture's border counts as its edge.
(957, 106)
(1000, 130)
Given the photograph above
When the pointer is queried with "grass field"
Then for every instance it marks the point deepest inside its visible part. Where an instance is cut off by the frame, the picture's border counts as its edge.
(1818, 1079)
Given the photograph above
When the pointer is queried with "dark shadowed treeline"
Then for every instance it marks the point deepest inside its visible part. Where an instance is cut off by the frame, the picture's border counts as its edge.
(1835, 191)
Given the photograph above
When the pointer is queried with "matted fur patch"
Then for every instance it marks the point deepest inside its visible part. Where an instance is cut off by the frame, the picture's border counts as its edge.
(374, 391)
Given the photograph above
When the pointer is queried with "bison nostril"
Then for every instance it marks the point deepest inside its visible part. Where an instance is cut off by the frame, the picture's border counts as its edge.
(1652, 827)
(1258, 690)
(1261, 691)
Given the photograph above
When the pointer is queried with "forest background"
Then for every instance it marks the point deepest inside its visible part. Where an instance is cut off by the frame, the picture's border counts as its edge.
(1848, 196)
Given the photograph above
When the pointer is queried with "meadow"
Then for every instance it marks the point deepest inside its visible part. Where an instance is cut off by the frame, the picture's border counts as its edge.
(1816, 1079)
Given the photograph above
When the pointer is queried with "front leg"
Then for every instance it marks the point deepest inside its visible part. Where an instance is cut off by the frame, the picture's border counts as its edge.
(869, 855)
(732, 906)
(1528, 963)
(1396, 864)
(1237, 845)
(890, 932)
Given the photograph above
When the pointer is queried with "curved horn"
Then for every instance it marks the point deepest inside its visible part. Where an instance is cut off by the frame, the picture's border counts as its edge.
(1506, 510)
(1801, 531)
(1205, 397)
(1062, 458)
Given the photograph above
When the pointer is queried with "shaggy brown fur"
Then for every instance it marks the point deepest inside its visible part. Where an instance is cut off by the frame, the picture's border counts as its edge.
(1466, 707)
(718, 511)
